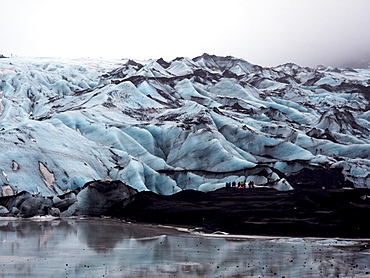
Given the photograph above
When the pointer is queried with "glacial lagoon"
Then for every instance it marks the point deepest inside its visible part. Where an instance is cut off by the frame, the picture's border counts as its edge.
(98, 247)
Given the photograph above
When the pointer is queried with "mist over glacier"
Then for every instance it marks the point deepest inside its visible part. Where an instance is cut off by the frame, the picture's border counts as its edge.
(166, 126)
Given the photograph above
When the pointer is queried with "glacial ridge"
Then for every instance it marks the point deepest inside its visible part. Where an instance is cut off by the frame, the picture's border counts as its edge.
(167, 126)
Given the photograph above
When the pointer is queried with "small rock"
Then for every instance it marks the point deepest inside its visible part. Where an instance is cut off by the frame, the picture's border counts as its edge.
(3, 210)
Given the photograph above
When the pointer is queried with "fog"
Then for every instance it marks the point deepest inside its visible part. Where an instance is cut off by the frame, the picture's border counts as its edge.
(264, 32)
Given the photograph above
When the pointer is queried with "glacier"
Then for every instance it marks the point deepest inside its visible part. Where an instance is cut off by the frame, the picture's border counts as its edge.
(167, 126)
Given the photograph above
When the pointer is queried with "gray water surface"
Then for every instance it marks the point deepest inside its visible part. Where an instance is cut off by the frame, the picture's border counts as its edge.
(95, 247)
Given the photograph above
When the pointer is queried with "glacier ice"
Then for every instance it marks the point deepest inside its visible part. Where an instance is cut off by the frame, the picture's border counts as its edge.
(183, 124)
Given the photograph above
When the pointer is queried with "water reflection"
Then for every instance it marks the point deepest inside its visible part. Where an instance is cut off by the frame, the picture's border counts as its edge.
(110, 248)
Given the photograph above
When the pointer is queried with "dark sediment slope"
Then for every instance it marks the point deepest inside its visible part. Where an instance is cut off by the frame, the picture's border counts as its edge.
(260, 211)
(306, 211)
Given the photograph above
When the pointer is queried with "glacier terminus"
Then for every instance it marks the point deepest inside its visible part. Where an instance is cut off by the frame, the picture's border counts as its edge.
(166, 126)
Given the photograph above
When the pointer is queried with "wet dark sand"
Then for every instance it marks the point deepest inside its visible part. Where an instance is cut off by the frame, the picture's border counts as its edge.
(259, 211)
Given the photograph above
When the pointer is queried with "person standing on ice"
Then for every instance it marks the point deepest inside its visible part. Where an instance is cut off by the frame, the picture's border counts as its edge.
(251, 184)
(241, 185)
(233, 185)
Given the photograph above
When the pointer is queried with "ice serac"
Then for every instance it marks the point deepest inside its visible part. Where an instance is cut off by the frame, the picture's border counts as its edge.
(165, 126)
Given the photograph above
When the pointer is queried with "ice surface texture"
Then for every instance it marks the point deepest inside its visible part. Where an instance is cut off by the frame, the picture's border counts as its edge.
(183, 124)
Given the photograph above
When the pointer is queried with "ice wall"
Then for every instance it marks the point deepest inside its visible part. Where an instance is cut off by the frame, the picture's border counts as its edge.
(188, 123)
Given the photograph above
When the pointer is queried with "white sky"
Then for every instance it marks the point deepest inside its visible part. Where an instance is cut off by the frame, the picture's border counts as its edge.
(264, 32)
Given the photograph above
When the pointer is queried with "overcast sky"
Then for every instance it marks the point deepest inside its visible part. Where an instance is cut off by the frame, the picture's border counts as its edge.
(264, 32)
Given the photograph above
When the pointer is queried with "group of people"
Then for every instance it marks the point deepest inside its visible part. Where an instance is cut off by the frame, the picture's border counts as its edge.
(240, 185)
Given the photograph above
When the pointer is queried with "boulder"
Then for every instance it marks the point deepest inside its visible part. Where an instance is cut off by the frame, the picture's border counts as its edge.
(103, 198)
(31, 207)
(14, 201)
(3, 210)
